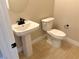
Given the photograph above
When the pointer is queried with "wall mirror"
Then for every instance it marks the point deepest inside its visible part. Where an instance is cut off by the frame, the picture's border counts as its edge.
(16, 5)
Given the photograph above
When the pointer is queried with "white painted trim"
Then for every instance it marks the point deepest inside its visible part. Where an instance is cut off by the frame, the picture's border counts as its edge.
(7, 2)
(39, 39)
(71, 41)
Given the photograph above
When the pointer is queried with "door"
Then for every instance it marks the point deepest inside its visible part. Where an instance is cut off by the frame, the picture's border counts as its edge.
(7, 41)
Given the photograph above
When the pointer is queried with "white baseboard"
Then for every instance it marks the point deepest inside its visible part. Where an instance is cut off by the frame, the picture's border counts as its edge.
(71, 41)
(38, 39)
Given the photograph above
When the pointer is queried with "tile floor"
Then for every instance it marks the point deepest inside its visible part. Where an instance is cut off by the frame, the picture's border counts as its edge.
(43, 50)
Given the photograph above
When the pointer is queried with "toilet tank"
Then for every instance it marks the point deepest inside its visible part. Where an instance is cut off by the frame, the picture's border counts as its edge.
(47, 24)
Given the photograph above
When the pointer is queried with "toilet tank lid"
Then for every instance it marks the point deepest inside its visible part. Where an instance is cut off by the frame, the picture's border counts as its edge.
(48, 19)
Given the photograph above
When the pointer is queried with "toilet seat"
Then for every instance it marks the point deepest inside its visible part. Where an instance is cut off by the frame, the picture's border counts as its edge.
(56, 33)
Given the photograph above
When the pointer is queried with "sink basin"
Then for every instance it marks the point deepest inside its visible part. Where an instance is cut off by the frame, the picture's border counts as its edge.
(21, 28)
(24, 31)
(26, 28)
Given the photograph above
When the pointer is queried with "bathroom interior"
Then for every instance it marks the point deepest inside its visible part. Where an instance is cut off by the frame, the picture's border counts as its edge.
(57, 33)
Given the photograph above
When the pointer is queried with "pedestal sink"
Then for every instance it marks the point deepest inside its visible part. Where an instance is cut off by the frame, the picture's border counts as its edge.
(25, 32)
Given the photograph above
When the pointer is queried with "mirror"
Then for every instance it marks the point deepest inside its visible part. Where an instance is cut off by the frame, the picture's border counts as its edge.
(16, 5)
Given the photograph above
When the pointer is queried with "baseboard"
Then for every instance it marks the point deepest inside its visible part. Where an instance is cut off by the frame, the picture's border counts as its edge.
(71, 41)
(38, 39)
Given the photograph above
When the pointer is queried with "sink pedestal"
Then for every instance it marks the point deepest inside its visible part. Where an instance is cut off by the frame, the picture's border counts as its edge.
(25, 32)
(27, 45)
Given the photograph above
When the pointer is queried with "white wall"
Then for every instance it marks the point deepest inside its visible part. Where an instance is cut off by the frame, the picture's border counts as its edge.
(67, 12)
(34, 10)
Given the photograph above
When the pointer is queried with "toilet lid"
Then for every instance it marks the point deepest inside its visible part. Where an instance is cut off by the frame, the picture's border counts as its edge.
(56, 33)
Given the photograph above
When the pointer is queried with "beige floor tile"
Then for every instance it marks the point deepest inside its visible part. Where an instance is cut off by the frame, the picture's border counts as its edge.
(43, 50)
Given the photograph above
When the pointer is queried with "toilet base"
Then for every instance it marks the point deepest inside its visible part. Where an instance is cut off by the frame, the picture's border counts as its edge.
(56, 43)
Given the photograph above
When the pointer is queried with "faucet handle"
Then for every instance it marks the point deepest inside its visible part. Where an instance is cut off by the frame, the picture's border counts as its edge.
(20, 21)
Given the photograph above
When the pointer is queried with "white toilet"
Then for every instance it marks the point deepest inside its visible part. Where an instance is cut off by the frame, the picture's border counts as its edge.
(55, 36)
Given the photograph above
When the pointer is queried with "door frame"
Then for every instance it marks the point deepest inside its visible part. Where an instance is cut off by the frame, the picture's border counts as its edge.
(6, 34)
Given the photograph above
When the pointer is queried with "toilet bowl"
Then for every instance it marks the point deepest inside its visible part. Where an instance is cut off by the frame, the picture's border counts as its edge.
(56, 33)
(55, 36)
